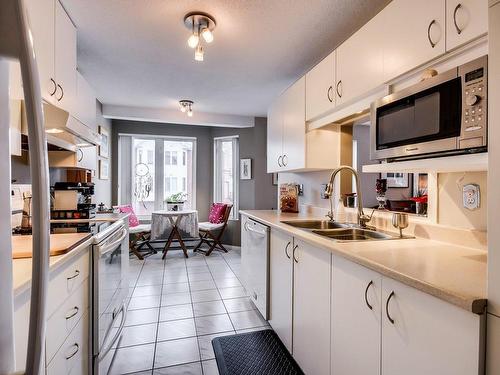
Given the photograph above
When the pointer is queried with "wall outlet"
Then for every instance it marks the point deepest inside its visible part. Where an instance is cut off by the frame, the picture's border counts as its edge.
(471, 196)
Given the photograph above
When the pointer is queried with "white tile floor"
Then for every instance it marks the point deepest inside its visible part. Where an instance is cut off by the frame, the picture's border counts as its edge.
(177, 307)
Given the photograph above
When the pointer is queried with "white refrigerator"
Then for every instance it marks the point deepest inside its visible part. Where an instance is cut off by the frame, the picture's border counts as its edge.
(16, 43)
(493, 318)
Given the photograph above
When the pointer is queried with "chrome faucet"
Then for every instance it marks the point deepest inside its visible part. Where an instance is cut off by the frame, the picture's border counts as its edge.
(362, 218)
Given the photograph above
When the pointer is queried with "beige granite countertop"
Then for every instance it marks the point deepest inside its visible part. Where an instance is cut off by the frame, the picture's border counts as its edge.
(98, 218)
(449, 272)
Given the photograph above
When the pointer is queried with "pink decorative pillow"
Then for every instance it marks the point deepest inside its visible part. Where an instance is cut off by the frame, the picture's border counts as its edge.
(133, 221)
(217, 211)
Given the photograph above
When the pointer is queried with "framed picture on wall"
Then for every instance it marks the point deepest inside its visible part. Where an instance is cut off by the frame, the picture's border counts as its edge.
(245, 169)
(104, 146)
(396, 179)
(103, 169)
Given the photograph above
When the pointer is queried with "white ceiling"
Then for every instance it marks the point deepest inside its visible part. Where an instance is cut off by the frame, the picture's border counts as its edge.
(134, 52)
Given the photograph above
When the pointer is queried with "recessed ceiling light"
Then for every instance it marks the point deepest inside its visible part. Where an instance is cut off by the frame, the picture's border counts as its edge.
(54, 131)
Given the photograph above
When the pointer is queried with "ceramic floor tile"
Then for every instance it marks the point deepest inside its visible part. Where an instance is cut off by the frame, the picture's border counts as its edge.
(202, 276)
(175, 299)
(138, 335)
(205, 342)
(154, 279)
(228, 283)
(147, 302)
(197, 268)
(142, 316)
(175, 288)
(148, 290)
(235, 292)
(176, 352)
(187, 369)
(176, 312)
(133, 359)
(175, 278)
(206, 325)
(238, 304)
(210, 367)
(247, 319)
(176, 329)
(205, 295)
(208, 308)
(201, 285)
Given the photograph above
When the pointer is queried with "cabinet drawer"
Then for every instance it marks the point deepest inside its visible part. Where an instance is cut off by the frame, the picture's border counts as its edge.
(65, 318)
(66, 281)
(72, 357)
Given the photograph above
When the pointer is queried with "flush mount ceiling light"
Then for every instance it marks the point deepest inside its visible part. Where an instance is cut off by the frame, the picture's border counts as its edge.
(187, 107)
(201, 26)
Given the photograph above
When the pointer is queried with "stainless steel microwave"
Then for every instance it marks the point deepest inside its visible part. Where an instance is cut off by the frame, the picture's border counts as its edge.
(445, 114)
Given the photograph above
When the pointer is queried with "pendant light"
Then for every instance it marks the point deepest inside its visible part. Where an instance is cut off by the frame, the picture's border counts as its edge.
(201, 26)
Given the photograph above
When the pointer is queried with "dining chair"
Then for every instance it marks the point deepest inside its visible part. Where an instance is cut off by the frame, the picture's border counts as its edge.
(211, 231)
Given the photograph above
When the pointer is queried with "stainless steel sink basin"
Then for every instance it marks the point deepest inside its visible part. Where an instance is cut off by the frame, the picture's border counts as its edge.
(353, 234)
(316, 224)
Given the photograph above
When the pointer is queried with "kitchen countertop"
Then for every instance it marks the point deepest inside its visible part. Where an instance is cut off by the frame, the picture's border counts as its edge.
(451, 273)
(98, 217)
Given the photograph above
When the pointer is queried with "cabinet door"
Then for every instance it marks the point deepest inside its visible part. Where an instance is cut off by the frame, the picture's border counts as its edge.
(87, 158)
(359, 62)
(280, 287)
(415, 34)
(320, 82)
(427, 335)
(356, 314)
(85, 109)
(65, 59)
(294, 129)
(275, 136)
(465, 20)
(41, 15)
(311, 308)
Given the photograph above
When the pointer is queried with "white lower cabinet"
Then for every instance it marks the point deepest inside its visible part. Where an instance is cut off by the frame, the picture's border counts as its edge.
(424, 335)
(280, 286)
(356, 314)
(311, 308)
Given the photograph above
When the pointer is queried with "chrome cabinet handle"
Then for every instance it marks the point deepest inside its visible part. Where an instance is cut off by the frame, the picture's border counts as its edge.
(54, 87)
(283, 160)
(80, 154)
(329, 94)
(279, 161)
(77, 348)
(429, 34)
(459, 31)
(387, 307)
(77, 272)
(339, 92)
(286, 250)
(62, 93)
(75, 309)
(293, 254)
(366, 295)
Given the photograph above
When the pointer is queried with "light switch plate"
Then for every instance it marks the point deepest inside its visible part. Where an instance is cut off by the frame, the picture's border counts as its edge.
(471, 196)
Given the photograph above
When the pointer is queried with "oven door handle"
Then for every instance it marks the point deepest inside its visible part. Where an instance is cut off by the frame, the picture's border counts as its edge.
(112, 246)
(105, 351)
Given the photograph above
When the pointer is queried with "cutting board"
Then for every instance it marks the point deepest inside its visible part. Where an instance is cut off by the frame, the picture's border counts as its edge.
(60, 244)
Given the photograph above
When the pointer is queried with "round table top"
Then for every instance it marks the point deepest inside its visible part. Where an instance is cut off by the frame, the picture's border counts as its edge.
(174, 213)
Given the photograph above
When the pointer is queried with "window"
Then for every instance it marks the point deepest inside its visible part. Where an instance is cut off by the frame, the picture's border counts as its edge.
(226, 156)
(154, 169)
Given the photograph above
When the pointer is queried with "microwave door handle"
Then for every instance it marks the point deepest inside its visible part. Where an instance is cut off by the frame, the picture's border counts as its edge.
(14, 25)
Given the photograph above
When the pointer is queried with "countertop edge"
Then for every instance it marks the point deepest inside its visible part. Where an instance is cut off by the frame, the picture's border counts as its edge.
(476, 305)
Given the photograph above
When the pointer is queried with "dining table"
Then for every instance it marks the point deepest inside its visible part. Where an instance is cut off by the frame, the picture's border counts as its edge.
(172, 226)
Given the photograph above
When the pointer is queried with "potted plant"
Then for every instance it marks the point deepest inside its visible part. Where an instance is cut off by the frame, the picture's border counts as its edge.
(175, 202)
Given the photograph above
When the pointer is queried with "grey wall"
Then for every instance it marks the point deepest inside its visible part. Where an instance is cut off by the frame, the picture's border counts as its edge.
(257, 193)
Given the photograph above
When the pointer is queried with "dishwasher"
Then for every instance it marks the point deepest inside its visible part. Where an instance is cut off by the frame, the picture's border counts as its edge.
(255, 263)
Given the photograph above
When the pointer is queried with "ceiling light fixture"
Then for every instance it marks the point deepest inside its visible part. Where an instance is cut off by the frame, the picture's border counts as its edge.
(187, 106)
(200, 24)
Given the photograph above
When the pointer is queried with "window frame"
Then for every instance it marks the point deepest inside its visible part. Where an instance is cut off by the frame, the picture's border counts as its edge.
(217, 173)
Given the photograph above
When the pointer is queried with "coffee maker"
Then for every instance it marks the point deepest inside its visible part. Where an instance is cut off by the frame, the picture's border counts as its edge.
(73, 200)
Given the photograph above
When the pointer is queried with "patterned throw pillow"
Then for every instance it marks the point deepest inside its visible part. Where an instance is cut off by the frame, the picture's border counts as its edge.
(217, 211)
(133, 221)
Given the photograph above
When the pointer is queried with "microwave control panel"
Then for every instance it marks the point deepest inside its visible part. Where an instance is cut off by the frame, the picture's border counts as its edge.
(474, 102)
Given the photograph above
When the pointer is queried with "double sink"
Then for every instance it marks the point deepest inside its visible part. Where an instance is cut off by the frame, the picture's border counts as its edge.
(340, 231)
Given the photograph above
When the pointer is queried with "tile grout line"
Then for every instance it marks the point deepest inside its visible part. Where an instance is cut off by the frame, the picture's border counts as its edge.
(158, 318)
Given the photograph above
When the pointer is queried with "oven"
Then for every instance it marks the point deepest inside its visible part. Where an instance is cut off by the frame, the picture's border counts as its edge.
(109, 292)
(445, 114)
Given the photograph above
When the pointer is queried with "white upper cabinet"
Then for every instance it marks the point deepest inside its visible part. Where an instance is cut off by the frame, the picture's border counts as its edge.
(65, 60)
(413, 32)
(359, 67)
(275, 136)
(320, 83)
(356, 314)
(42, 18)
(85, 110)
(311, 308)
(465, 20)
(424, 335)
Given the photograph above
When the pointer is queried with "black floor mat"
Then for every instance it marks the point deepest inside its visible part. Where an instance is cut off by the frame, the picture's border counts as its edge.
(260, 352)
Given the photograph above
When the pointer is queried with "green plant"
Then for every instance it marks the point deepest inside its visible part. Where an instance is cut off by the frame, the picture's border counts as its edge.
(176, 198)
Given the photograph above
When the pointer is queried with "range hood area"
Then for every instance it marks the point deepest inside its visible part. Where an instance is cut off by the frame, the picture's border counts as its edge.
(63, 130)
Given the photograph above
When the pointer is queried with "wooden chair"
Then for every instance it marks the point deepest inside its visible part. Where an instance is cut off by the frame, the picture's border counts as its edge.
(211, 234)
(139, 238)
